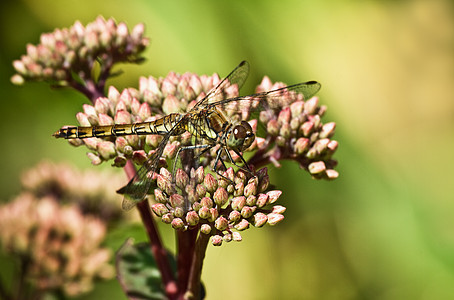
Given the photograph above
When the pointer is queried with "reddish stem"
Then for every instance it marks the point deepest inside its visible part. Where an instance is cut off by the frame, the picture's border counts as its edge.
(196, 269)
(186, 245)
(158, 250)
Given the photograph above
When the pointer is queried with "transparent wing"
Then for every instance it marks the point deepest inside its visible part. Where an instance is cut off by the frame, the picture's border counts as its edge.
(274, 99)
(138, 187)
(228, 86)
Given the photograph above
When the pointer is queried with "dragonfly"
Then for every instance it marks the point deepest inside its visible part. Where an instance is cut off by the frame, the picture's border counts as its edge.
(207, 122)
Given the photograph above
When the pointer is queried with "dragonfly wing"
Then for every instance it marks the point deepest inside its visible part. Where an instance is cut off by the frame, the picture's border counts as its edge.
(139, 186)
(234, 80)
(243, 106)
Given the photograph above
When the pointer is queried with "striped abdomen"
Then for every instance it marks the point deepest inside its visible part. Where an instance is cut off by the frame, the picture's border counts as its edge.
(161, 126)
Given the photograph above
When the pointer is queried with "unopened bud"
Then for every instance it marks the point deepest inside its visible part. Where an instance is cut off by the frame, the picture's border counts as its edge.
(192, 218)
(278, 209)
(176, 200)
(317, 167)
(234, 216)
(216, 240)
(221, 223)
(273, 196)
(238, 203)
(167, 218)
(327, 130)
(204, 212)
(220, 197)
(274, 219)
(205, 229)
(246, 212)
(236, 236)
(310, 107)
(177, 223)
(178, 212)
(182, 179)
(262, 200)
(260, 219)
(214, 214)
(210, 183)
(159, 209)
(244, 224)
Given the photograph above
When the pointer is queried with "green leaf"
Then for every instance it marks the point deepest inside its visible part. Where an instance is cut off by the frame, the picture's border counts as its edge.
(138, 273)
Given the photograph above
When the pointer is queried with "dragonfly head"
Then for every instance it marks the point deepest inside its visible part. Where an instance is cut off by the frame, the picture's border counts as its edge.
(241, 137)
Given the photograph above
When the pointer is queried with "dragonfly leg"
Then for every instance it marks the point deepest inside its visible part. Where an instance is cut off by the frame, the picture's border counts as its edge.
(218, 158)
(247, 169)
(244, 162)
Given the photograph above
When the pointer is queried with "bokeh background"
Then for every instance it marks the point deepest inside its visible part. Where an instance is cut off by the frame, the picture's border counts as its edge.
(384, 229)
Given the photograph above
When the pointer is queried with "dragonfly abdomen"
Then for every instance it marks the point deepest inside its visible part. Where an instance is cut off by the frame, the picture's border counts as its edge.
(160, 126)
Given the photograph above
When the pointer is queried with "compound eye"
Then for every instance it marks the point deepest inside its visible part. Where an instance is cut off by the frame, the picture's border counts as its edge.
(250, 137)
(239, 132)
(246, 126)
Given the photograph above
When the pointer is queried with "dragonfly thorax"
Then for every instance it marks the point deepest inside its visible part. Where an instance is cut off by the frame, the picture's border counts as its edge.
(241, 136)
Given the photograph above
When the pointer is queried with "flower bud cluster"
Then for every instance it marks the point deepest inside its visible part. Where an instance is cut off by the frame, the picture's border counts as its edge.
(219, 206)
(75, 50)
(295, 131)
(87, 189)
(60, 245)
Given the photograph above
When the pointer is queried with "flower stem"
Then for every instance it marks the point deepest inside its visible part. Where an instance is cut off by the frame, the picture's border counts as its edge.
(193, 291)
(89, 89)
(158, 250)
(186, 245)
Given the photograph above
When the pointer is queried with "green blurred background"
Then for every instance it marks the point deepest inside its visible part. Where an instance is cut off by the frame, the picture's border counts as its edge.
(385, 228)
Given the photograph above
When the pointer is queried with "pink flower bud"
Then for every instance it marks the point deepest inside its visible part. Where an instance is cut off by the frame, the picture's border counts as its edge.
(206, 202)
(122, 117)
(272, 127)
(278, 209)
(210, 183)
(332, 174)
(246, 212)
(176, 200)
(216, 240)
(177, 223)
(159, 209)
(327, 130)
(236, 236)
(181, 179)
(204, 212)
(262, 200)
(317, 167)
(220, 197)
(105, 120)
(284, 116)
(260, 219)
(192, 218)
(159, 196)
(310, 107)
(205, 229)
(234, 216)
(273, 196)
(106, 150)
(244, 224)
(238, 203)
(306, 128)
(221, 223)
(274, 219)
(213, 214)
(251, 200)
(167, 218)
(139, 157)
